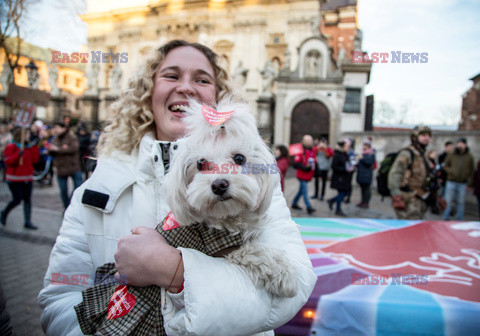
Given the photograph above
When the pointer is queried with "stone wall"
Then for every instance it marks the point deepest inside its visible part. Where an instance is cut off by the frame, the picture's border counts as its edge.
(387, 142)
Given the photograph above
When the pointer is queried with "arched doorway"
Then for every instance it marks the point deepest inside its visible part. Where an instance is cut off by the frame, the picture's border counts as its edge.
(309, 117)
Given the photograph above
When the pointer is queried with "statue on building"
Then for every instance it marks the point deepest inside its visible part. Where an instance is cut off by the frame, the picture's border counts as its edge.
(268, 75)
(311, 64)
(341, 56)
(92, 79)
(357, 41)
(52, 80)
(315, 25)
(115, 78)
(240, 74)
(6, 77)
(288, 60)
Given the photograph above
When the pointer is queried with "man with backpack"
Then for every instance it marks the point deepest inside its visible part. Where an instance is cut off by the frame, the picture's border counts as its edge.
(409, 177)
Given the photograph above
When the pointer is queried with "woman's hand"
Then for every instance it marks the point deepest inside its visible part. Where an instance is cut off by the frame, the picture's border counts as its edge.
(144, 258)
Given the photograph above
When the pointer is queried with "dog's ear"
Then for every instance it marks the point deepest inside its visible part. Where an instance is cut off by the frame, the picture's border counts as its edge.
(176, 184)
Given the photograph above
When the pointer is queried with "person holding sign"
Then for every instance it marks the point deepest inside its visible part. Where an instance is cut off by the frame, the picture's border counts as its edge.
(112, 216)
(19, 158)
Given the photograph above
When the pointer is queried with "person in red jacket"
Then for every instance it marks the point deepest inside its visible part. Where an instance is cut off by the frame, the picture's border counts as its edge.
(19, 176)
(305, 165)
(283, 162)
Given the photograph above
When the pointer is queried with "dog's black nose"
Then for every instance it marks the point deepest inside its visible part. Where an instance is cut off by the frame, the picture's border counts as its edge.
(219, 187)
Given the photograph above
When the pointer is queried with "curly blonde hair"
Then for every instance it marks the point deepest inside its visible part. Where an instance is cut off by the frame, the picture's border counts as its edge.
(132, 115)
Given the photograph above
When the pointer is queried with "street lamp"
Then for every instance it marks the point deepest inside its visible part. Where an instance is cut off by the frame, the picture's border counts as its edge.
(32, 73)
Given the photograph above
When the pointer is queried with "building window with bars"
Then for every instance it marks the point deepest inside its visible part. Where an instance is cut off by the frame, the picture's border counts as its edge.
(352, 100)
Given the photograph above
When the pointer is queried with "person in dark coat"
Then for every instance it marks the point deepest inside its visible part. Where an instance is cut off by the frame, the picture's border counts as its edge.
(365, 173)
(64, 148)
(449, 148)
(83, 137)
(476, 186)
(341, 175)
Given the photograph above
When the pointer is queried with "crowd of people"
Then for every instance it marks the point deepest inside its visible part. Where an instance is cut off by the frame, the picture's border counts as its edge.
(418, 179)
(28, 155)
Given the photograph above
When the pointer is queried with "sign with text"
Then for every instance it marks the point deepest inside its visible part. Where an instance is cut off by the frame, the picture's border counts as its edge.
(24, 114)
(18, 94)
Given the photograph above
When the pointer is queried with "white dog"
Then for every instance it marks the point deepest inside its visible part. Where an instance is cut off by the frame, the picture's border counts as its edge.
(223, 176)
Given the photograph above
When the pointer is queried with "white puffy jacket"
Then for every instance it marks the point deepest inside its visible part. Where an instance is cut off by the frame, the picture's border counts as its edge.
(218, 297)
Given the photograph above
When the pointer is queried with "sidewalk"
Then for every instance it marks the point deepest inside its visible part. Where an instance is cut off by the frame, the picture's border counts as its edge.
(24, 254)
(380, 209)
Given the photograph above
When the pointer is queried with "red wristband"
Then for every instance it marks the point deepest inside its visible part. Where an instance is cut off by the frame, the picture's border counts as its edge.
(181, 287)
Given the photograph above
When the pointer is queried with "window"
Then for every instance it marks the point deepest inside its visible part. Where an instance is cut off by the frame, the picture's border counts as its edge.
(65, 79)
(352, 100)
(78, 82)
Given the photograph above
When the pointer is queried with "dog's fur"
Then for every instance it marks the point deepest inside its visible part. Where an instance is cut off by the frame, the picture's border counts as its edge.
(243, 207)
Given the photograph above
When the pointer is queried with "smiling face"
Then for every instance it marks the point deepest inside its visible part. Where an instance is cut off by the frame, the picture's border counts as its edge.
(184, 73)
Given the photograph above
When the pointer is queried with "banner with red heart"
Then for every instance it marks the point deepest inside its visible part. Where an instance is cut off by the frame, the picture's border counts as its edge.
(214, 117)
(121, 303)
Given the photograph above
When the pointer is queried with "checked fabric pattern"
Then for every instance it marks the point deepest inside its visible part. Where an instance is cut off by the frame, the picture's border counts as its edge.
(145, 318)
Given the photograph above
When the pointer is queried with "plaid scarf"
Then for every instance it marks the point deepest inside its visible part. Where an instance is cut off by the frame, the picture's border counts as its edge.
(145, 318)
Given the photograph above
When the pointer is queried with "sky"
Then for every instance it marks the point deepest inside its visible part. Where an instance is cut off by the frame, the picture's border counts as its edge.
(449, 30)
(431, 93)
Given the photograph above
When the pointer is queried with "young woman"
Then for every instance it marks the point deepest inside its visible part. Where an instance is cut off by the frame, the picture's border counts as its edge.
(113, 214)
(19, 176)
(283, 162)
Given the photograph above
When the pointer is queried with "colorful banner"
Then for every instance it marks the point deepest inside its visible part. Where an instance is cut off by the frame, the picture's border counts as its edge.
(391, 277)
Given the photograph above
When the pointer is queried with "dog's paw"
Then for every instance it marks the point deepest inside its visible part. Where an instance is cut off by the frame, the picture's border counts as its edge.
(271, 270)
(283, 280)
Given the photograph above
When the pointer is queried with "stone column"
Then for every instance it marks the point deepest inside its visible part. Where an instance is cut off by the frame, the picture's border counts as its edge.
(57, 106)
(90, 108)
(5, 109)
(279, 117)
(265, 108)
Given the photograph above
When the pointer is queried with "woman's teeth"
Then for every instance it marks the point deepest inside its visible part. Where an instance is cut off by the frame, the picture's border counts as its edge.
(177, 108)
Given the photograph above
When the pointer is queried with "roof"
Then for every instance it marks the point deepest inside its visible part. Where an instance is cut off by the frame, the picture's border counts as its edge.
(475, 78)
(333, 5)
(408, 127)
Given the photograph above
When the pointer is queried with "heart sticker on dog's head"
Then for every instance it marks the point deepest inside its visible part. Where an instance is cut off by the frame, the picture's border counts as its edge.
(214, 117)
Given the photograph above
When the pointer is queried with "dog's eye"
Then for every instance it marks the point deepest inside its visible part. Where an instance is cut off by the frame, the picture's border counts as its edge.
(202, 164)
(239, 159)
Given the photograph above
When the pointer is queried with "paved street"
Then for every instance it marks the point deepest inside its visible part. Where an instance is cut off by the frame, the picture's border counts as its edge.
(24, 254)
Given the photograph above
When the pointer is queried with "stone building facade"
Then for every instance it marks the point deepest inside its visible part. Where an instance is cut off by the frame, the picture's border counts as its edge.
(251, 37)
(321, 97)
(339, 25)
(291, 59)
(65, 82)
(470, 120)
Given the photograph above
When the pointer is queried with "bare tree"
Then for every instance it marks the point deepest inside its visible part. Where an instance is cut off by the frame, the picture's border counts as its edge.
(450, 115)
(383, 113)
(403, 111)
(12, 15)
